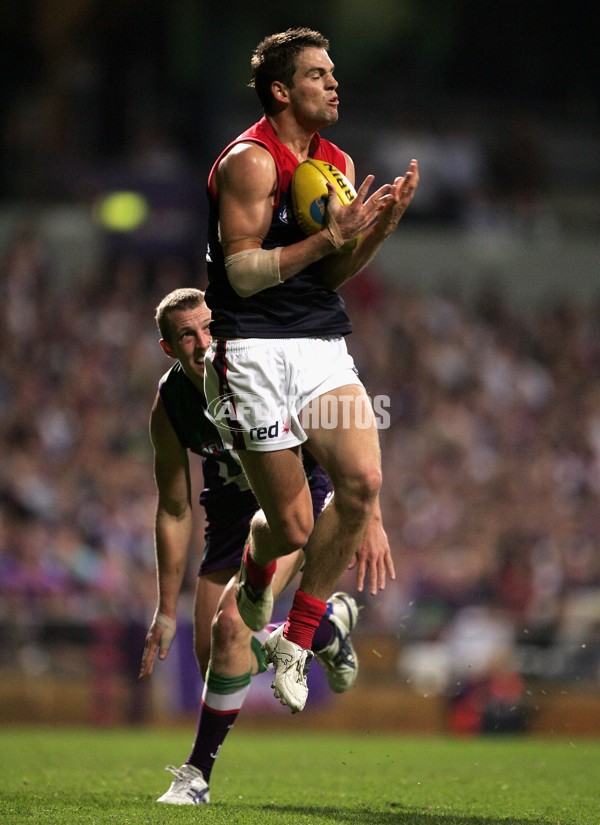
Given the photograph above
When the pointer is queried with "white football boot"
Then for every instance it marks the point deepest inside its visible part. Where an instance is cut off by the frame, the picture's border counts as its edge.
(188, 787)
(339, 659)
(291, 663)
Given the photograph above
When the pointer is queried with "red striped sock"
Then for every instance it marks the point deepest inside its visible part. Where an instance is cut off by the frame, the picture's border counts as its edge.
(303, 619)
(257, 575)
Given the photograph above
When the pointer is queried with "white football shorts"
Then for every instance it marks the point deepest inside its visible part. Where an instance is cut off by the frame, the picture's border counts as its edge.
(256, 388)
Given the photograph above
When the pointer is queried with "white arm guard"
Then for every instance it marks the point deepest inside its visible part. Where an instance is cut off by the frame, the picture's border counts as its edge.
(252, 270)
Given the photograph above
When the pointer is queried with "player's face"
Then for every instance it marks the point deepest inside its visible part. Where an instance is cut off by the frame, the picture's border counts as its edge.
(313, 94)
(190, 339)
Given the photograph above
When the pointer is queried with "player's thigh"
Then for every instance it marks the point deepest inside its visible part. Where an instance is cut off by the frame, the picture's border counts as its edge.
(342, 434)
(279, 483)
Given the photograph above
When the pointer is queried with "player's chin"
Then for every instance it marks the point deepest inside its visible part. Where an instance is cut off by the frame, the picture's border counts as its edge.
(327, 115)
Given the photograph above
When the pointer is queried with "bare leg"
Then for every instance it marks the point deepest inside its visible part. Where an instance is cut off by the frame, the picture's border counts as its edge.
(231, 652)
(227, 678)
(279, 483)
(209, 589)
(351, 456)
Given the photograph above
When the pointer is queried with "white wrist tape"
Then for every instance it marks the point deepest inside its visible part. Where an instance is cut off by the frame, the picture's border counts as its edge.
(168, 627)
(333, 231)
(252, 270)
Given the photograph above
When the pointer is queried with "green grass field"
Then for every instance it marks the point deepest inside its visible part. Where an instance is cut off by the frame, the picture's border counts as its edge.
(114, 776)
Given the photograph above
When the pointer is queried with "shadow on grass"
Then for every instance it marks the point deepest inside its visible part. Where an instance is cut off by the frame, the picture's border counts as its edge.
(397, 815)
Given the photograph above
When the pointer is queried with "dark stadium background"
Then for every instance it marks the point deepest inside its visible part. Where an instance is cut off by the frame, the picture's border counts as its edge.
(480, 321)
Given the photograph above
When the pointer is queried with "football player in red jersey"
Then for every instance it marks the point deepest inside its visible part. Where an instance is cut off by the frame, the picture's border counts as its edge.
(279, 330)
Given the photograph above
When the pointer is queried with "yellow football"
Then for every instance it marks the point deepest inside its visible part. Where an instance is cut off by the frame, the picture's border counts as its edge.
(310, 193)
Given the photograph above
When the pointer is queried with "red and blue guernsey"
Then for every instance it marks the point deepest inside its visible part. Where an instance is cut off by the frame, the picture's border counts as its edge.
(301, 306)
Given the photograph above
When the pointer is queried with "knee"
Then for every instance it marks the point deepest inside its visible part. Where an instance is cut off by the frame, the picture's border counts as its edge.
(371, 483)
(297, 535)
(296, 532)
(291, 531)
(357, 490)
(228, 629)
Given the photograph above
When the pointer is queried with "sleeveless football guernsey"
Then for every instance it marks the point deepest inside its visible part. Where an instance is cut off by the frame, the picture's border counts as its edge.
(301, 306)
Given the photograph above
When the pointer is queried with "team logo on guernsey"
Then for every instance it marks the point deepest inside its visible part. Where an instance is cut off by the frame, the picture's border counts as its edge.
(212, 448)
(283, 213)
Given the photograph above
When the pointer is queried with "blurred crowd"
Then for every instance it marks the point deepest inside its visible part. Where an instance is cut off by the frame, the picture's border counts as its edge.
(492, 454)
(491, 469)
(491, 481)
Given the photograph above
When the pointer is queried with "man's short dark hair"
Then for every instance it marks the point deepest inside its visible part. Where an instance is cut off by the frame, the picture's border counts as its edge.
(275, 59)
(183, 298)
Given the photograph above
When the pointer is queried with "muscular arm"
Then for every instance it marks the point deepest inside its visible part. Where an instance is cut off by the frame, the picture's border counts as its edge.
(246, 182)
(172, 530)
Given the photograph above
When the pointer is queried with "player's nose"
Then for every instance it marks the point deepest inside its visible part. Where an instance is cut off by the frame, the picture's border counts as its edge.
(204, 341)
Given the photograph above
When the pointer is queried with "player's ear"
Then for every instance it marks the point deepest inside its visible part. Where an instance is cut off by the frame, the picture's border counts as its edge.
(166, 348)
(279, 91)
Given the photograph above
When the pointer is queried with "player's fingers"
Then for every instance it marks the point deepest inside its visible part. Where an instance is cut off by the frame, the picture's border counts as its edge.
(361, 192)
(389, 563)
(373, 580)
(378, 201)
(371, 575)
(383, 202)
(381, 574)
(147, 660)
(330, 189)
(360, 575)
(334, 206)
(381, 195)
(165, 646)
(400, 187)
(405, 185)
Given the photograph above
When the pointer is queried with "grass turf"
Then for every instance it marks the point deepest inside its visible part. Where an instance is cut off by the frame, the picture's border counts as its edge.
(114, 776)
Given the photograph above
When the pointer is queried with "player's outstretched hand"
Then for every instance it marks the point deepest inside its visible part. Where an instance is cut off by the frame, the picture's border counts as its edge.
(401, 193)
(159, 637)
(373, 560)
(349, 221)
